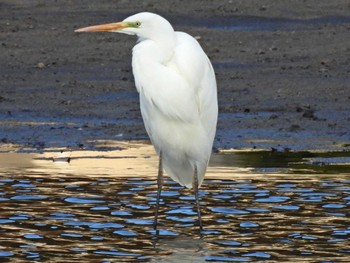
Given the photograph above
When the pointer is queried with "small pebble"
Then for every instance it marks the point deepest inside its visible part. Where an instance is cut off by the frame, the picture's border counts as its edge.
(41, 65)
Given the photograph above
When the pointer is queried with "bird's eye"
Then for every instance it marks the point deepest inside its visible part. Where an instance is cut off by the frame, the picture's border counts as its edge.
(137, 23)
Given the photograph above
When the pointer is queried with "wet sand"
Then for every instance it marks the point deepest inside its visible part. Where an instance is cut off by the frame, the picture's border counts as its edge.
(282, 71)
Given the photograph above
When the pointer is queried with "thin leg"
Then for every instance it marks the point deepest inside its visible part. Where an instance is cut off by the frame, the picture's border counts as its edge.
(159, 190)
(195, 189)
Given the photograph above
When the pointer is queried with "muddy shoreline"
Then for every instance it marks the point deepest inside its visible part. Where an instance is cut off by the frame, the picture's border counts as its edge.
(282, 70)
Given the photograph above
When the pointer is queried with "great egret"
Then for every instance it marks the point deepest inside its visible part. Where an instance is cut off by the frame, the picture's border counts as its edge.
(178, 97)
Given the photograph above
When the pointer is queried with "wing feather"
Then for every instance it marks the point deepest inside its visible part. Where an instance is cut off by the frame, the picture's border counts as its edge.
(178, 104)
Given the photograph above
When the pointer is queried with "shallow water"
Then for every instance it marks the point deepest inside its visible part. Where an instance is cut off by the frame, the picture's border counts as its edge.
(257, 206)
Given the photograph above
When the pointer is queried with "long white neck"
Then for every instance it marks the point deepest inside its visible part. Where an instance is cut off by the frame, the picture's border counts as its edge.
(159, 46)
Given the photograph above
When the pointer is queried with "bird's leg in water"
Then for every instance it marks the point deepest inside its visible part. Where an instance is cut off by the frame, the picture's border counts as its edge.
(159, 190)
(195, 189)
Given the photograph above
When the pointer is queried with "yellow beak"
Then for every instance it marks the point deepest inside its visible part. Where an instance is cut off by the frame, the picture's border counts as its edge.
(104, 27)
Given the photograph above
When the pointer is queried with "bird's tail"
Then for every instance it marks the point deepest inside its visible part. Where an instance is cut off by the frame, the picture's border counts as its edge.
(183, 173)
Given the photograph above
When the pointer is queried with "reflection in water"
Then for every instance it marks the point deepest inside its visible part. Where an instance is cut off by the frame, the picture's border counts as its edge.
(99, 206)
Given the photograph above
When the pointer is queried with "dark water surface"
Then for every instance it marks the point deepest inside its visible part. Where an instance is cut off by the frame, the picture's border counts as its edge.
(257, 206)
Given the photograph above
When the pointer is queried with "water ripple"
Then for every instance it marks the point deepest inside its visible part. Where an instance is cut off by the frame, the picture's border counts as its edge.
(228, 211)
(261, 255)
(6, 254)
(28, 197)
(272, 199)
(82, 200)
(115, 253)
(125, 233)
(33, 236)
(69, 216)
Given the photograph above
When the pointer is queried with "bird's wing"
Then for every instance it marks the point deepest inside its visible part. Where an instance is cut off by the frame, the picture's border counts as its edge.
(195, 67)
(182, 89)
(164, 87)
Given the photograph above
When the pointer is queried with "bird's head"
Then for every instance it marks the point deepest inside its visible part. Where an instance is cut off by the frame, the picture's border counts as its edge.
(145, 25)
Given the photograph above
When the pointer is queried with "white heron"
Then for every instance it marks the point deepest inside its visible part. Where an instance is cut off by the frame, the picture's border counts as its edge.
(178, 97)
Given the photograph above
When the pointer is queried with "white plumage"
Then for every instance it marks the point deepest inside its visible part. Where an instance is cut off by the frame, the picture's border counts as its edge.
(178, 96)
(178, 101)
